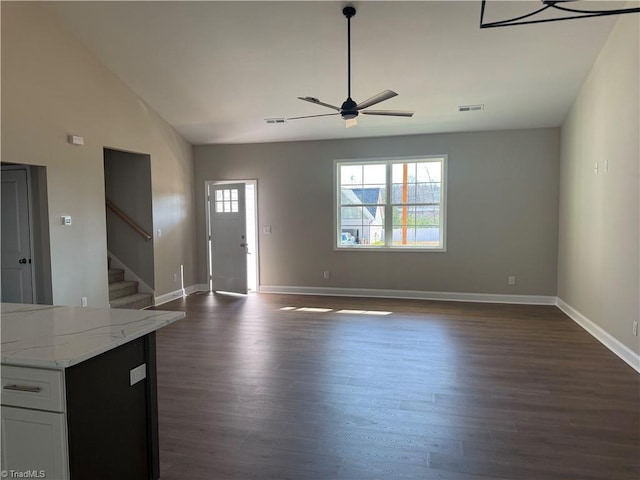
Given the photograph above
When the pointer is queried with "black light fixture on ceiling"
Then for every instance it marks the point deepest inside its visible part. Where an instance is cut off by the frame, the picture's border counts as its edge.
(558, 7)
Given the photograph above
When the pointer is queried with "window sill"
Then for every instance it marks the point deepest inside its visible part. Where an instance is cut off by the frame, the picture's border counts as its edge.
(390, 249)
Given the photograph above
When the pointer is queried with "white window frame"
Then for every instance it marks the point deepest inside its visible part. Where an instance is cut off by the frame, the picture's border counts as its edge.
(388, 246)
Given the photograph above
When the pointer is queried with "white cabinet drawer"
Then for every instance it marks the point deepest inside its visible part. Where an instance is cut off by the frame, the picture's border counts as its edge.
(33, 388)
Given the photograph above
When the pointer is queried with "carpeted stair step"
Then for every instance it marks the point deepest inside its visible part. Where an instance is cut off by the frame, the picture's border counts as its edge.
(122, 289)
(137, 301)
(116, 275)
(124, 293)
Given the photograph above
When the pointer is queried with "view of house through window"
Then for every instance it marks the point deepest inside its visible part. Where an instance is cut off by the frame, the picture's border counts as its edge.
(396, 203)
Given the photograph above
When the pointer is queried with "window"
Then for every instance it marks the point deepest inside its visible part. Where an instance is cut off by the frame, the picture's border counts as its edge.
(394, 204)
(226, 201)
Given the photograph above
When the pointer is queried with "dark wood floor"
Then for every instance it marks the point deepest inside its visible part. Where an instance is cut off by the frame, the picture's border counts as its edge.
(436, 390)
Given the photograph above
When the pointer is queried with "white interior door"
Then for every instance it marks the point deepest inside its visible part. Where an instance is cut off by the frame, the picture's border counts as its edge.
(228, 224)
(16, 281)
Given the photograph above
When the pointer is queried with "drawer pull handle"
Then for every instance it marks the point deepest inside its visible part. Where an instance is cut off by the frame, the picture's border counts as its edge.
(22, 388)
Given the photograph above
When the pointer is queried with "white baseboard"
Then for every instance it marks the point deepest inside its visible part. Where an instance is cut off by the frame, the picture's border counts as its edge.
(411, 294)
(612, 343)
(167, 297)
(198, 287)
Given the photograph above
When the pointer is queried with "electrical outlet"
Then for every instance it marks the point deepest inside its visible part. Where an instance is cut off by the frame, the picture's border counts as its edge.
(326, 274)
(635, 328)
(511, 280)
(83, 301)
(175, 277)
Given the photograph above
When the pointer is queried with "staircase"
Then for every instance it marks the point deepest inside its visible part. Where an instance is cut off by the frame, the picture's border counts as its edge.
(124, 293)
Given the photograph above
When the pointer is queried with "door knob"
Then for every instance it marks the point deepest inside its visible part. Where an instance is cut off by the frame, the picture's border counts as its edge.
(22, 261)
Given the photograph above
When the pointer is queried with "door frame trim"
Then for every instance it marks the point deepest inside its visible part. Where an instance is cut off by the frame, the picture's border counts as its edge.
(256, 255)
(27, 169)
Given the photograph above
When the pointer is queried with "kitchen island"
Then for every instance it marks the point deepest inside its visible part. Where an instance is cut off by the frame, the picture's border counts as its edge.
(79, 392)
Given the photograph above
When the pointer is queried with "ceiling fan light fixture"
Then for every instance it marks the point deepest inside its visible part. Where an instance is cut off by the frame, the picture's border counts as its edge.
(351, 122)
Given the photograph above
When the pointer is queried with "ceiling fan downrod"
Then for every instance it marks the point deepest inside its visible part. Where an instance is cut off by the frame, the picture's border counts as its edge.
(349, 106)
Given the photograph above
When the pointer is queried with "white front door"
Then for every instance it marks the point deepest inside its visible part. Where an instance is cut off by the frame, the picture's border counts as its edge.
(227, 220)
(16, 280)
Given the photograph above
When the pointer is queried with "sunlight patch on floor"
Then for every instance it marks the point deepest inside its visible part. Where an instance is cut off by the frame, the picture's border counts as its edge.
(326, 310)
(364, 312)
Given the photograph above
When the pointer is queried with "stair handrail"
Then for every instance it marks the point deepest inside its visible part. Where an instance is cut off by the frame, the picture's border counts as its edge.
(139, 230)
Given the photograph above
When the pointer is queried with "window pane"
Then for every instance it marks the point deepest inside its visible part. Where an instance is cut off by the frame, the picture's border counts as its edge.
(374, 235)
(351, 225)
(432, 215)
(427, 215)
(218, 195)
(404, 216)
(374, 194)
(429, 172)
(403, 193)
(427, 193)
(234, 206)
(417, 237)
(374, 174)
(351, 215)
(349, 197)
(398, 172)
(351, 175)
(234, 194)
(362, 225)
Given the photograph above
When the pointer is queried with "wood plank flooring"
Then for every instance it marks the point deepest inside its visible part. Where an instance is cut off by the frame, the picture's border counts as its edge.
(434, 390)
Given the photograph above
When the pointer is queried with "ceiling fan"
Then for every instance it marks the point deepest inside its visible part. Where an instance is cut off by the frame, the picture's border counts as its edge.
(350, 109)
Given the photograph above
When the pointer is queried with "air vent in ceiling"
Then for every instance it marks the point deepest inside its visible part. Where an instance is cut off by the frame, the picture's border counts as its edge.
(470, 108)
(273, 121)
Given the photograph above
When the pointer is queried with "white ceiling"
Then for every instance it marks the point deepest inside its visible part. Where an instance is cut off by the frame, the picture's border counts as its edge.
(216, 70)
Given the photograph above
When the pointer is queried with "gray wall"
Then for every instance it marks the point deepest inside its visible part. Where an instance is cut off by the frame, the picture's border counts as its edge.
(502, 212)
(127, 183)
(51, 87)
(599, 263)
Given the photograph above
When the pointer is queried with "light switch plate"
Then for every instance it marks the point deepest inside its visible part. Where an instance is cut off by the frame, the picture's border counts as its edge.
(138, 374)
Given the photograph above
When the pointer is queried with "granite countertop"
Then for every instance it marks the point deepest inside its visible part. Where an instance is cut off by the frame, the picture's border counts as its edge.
(48, 336)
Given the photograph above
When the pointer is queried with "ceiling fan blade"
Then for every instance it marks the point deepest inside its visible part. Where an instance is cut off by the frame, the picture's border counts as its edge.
(318, 102)
(389, 113)
(380, 97)
(312, 116)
